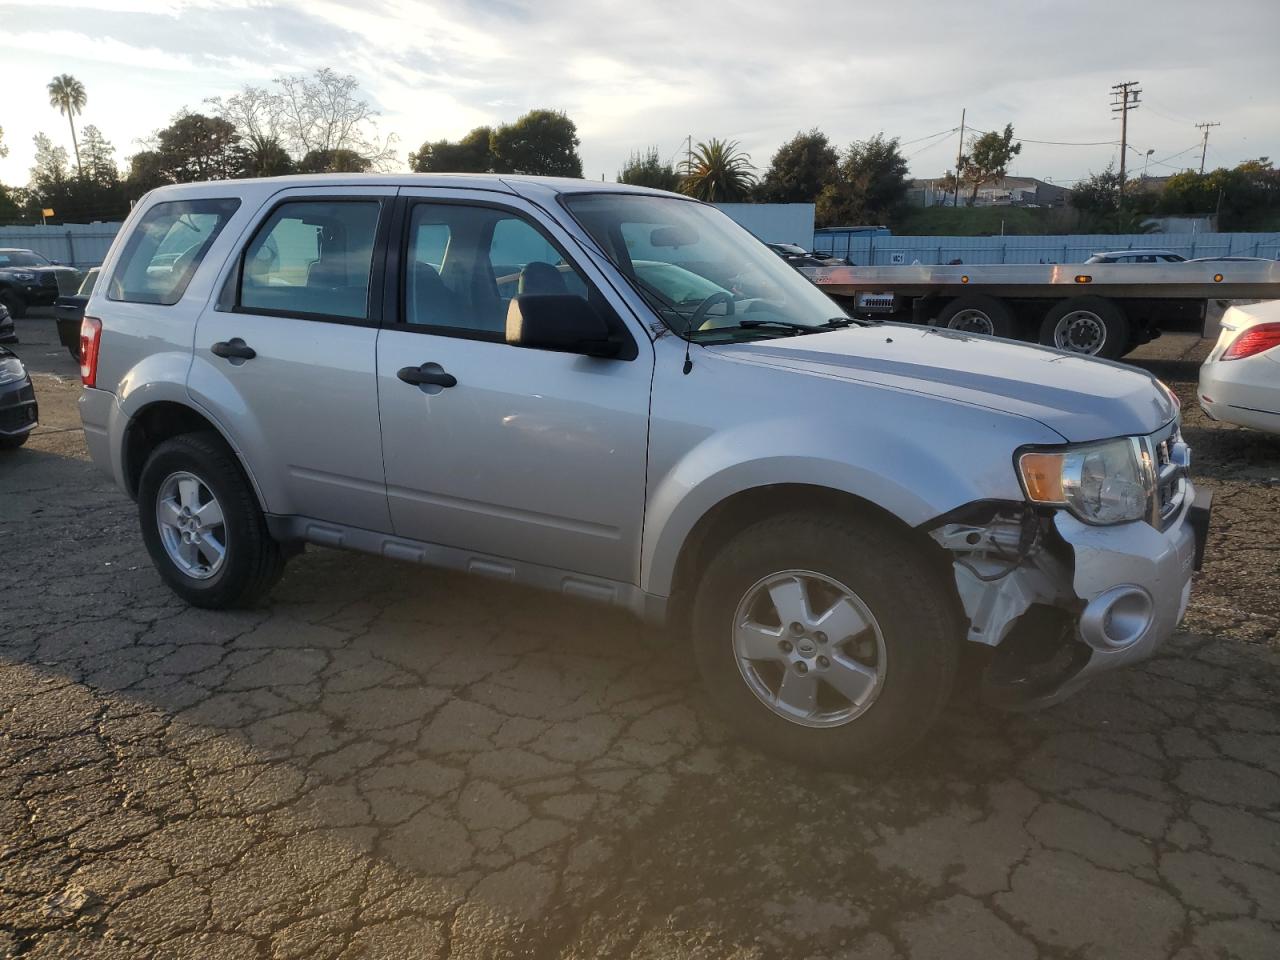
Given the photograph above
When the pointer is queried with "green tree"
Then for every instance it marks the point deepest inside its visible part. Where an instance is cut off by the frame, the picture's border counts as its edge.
(542, 142)
(99, 158)
(49, 169)
(67, 94)
(4, 151)
(870, 185)
(1098, 193)
(648, 169)
(472, 154)
(718, 171)
(800, 169)
(988, 159)
(193, 147)
(334, 161)
(262, 155)
(147, 170)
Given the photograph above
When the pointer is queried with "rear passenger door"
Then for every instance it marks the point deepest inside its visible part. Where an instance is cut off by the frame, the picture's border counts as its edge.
(285, 359)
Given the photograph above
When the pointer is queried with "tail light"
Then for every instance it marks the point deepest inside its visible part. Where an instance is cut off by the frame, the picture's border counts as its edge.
(1254, 340)
(90, 338)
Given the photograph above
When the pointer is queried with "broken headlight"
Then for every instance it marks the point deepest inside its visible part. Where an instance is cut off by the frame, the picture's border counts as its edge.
(1106, 482)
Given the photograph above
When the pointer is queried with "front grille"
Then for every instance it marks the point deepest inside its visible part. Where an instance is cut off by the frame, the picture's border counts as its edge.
(1170, 461)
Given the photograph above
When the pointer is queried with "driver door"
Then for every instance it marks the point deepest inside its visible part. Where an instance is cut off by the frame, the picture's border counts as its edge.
(529, 456)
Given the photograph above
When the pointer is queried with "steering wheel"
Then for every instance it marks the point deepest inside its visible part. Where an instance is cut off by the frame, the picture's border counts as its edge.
(700, 314)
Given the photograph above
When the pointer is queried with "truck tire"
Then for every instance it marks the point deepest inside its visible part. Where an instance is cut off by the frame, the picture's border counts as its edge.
(807, 644)
(1093, 326)
(16, 305)
(202, 525)
(977, 313)
(13, 443)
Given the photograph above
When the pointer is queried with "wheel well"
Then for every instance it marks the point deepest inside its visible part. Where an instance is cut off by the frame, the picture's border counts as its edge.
(153, 425)
(742, 509)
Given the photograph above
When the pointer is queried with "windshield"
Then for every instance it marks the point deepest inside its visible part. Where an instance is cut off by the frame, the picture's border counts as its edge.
(21, 258)
(679, 254)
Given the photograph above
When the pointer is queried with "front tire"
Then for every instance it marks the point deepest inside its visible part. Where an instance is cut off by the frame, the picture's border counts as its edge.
(829, 641)
(13, 443)
(202, 525)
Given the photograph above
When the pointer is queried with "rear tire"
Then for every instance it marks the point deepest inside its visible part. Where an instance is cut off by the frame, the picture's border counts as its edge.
(977, 313)
(1091, 326)
(75, 352)
(194, 474)
(850, 575)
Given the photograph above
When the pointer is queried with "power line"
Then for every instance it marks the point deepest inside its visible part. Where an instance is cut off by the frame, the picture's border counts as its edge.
(1059, 143)
(940, 133)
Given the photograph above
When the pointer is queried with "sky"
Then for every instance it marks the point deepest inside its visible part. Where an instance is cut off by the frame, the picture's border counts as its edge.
(635, 73)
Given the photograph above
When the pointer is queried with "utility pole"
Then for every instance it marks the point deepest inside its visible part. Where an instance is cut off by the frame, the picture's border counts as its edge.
(1124, 97)
(959, 156)
(1204, 147)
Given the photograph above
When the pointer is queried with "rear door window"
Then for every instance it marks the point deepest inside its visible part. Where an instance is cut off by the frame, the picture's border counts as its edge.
(165, 249)
(312, 258)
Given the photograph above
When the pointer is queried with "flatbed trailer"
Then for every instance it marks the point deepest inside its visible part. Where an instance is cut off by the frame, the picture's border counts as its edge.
(1099, 309)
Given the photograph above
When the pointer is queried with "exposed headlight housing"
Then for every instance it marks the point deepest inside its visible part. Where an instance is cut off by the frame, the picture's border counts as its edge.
(11, 369)
(1111, 481)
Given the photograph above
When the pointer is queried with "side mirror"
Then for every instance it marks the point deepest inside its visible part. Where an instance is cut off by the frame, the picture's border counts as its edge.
(560, 322)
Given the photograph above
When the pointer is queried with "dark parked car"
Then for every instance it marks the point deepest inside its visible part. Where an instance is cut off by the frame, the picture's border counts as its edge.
(29, 280)
(18, 411)
(799, 257)
(8, 332)
(69, 311)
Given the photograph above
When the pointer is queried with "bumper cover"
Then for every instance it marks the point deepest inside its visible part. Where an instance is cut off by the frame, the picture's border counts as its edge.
(19, 412)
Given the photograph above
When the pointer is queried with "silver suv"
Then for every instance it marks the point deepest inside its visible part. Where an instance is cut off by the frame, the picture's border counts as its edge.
(620, 395)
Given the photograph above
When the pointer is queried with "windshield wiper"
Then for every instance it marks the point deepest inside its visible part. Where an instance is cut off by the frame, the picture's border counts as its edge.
(835, 323)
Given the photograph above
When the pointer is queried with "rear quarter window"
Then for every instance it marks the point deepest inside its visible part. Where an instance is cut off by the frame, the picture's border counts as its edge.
(165, 249)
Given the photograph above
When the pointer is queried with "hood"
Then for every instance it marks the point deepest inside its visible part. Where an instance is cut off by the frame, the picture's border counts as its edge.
(46, 268)
(1078, 397)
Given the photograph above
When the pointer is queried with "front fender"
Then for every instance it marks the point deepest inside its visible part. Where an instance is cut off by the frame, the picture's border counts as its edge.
(914, 474)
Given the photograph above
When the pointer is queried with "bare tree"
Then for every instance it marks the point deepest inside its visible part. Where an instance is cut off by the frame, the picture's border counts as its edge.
(319, 114)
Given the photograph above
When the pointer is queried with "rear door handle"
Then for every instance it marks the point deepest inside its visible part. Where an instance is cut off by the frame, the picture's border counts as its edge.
(427, 375)
(233, 349)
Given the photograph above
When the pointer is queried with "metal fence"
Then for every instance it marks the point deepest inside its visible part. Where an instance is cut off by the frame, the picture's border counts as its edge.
(886, 251)
(85, 245)
(79, 245)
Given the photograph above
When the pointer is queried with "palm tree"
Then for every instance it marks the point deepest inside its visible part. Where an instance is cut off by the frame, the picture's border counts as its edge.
(718, 170)
(67, 94)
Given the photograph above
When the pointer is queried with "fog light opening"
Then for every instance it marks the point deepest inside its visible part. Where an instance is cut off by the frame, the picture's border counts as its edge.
(1117, 618)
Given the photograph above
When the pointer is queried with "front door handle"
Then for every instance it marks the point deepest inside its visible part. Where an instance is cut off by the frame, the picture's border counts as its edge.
(233, 349)
(427, 375)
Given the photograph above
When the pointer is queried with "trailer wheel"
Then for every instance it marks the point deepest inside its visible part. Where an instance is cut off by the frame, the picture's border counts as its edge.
(978, 314)
(1093, 326)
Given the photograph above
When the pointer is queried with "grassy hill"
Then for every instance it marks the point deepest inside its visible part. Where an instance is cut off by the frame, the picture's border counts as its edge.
(982, 221)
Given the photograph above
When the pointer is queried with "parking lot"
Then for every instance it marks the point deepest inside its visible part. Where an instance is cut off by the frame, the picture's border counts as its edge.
(388, 761)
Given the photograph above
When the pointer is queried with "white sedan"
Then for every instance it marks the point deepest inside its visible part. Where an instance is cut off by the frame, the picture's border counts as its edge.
(1240, 381)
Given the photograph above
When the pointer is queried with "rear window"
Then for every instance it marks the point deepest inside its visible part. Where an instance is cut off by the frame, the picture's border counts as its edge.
(166, 247)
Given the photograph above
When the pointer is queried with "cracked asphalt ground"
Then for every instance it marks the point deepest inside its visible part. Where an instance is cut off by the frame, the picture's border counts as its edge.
(388, 761)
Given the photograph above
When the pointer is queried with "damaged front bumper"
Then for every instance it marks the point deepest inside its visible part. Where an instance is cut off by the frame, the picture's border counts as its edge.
(1058, 601)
